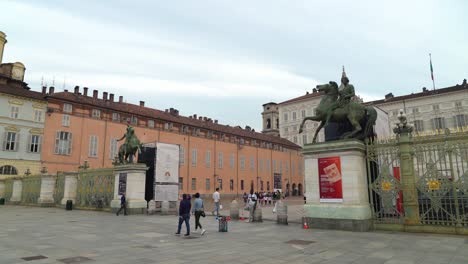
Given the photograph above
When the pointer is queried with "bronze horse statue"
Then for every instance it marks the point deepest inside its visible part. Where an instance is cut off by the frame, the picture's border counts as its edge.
(353, 112)
(129, 149)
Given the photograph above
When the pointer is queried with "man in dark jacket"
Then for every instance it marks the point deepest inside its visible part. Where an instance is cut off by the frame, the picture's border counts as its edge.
(123, 204)
(184, 214)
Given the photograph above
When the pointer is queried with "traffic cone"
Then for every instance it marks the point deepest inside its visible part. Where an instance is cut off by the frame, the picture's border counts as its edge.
(305, 226)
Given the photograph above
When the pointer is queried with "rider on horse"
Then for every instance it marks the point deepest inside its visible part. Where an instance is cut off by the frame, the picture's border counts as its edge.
(346, 92)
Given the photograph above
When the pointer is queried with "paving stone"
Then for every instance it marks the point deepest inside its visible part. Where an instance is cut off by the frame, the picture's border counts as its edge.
(102, 237)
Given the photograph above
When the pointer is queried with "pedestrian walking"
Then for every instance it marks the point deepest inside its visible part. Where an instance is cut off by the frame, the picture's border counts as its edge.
(216, 200)
(246, 197)
(123, 205)
(198, 210)
(252, 205)
(184, 214)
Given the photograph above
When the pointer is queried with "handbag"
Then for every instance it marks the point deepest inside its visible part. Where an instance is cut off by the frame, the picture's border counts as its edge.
(203, 212)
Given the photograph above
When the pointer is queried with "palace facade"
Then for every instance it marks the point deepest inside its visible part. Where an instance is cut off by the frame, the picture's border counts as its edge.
(22, 115)
(84, 127)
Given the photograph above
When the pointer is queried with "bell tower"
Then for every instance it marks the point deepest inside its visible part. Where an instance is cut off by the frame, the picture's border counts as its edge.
(270, 116)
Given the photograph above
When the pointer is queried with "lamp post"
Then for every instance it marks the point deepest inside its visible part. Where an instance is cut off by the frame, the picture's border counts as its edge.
(27, 172)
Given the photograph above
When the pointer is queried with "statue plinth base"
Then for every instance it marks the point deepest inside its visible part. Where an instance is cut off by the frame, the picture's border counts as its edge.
(131, 179)
(326, 207)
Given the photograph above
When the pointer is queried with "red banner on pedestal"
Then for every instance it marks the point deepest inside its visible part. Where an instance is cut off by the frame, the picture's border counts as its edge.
(330, 181)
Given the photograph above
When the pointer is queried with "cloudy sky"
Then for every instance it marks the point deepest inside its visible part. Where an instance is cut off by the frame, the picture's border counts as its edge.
(224, 59)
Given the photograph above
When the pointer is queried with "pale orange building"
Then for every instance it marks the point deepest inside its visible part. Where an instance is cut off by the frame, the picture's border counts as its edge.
(81, 126)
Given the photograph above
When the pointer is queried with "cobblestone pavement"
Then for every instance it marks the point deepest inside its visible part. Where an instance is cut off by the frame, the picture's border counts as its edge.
(61, 236)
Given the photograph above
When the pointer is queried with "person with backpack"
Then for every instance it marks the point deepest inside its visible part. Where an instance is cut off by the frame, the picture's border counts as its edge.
(252, 200)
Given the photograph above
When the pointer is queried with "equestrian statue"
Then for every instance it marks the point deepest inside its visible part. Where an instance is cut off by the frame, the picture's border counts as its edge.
(337, 106)
(130, 147)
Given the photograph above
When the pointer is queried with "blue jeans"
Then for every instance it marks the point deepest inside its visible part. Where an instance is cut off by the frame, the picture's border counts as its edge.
(182, 218)
(216, 208)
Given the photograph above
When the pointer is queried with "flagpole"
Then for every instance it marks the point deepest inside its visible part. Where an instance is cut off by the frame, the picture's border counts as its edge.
(432, 72)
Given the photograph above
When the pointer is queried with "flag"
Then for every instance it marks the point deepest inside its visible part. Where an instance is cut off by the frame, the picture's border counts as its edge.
(432, 70)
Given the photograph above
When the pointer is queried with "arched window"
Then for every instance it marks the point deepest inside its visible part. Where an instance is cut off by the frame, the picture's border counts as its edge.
(7, 169)
(268, 123)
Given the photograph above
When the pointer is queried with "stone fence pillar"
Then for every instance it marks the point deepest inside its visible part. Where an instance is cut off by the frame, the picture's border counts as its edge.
(70, 188)
(17, 191)
(408, 178)
(46, 197)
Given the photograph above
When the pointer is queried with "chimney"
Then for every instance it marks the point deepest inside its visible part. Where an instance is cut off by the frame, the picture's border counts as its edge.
(388, 96)
(111, 97)
(104, 95)
(3, 41)
(51, 90)
(66, 90)
(142, 103)
(166, 111)
(77, 89)
(424, 89)
(95, 94)
(314, 90)
(195, 116)
(200, 118)
(85, 91)
(205, 118)
(44, 89)
(247, 128)
(120, 99)
(216, 121)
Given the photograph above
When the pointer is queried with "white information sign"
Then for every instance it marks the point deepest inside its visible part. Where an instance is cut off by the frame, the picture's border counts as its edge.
(167, 163)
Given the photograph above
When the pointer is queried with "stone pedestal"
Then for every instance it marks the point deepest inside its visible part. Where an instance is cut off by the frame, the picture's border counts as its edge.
(165, 207)
(70, 188)
(2, 189)
(17, 192)
(353, 211)
(234, 210)
(281, 213)
(134, 186)
(151, 207)
(46, 197)
(257, 217)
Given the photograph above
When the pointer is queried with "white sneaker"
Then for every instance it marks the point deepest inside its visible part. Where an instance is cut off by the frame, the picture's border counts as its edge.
(203, 232)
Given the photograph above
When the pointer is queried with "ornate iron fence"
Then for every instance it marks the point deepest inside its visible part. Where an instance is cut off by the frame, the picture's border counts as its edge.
(31, 189)
(8, 189)
(441, 170)
(385, 192)
(438, 180)
(95, 188)
(59, 188)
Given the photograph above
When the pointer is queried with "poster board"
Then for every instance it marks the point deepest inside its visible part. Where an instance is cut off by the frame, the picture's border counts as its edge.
(277, 181)
(330, 179)
(122, 183)
(166, 172)
(167, 163)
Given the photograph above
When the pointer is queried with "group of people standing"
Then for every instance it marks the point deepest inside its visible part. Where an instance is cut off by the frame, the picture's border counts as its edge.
(264, 198)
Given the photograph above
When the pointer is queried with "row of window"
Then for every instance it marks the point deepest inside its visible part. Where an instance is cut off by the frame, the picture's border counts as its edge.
(208, 186)
(96, 113)
(262, 164)
(11, 142)
(294, 115)
(435, 107)
(440, 123)
(38, 115)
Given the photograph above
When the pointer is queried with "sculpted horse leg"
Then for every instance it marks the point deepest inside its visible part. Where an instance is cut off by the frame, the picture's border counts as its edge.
(311, 118)
(322, 124)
